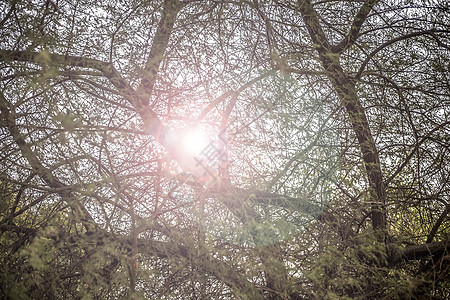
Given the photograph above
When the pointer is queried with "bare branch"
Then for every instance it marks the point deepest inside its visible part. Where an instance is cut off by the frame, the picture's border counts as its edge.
(438, 223)
(355, 28)
(390, 42)
(77, 207)
(315, 30)
(160, 42)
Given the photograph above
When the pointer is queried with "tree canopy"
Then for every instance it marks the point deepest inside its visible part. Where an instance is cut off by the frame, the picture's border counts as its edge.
(185, 149)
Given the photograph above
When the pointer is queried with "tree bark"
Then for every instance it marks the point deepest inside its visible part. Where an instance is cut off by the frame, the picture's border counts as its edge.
(345, 89)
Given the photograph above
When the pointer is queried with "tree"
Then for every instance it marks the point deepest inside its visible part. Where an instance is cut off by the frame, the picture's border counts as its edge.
(224, 149)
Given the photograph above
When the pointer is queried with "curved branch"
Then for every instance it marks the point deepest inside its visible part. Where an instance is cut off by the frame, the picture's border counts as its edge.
(411, 154)
(46, 175)
(205, 262)
(51, 59)
(393, 41)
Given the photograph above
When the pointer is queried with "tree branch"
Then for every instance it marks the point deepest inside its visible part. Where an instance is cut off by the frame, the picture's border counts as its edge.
(51, 59)
(80, 212)
(390, 42)
(355, 28)
(313, 26)
(417, 252)
(438, 223)
(416, 147)
(159, 46)
(205, 262)
(346, 90)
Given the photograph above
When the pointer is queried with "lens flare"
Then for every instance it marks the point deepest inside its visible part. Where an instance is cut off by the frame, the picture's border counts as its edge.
(194, 142)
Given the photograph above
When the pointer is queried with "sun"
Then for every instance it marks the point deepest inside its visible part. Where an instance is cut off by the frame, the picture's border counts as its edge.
(187, 147)
(194, 141)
